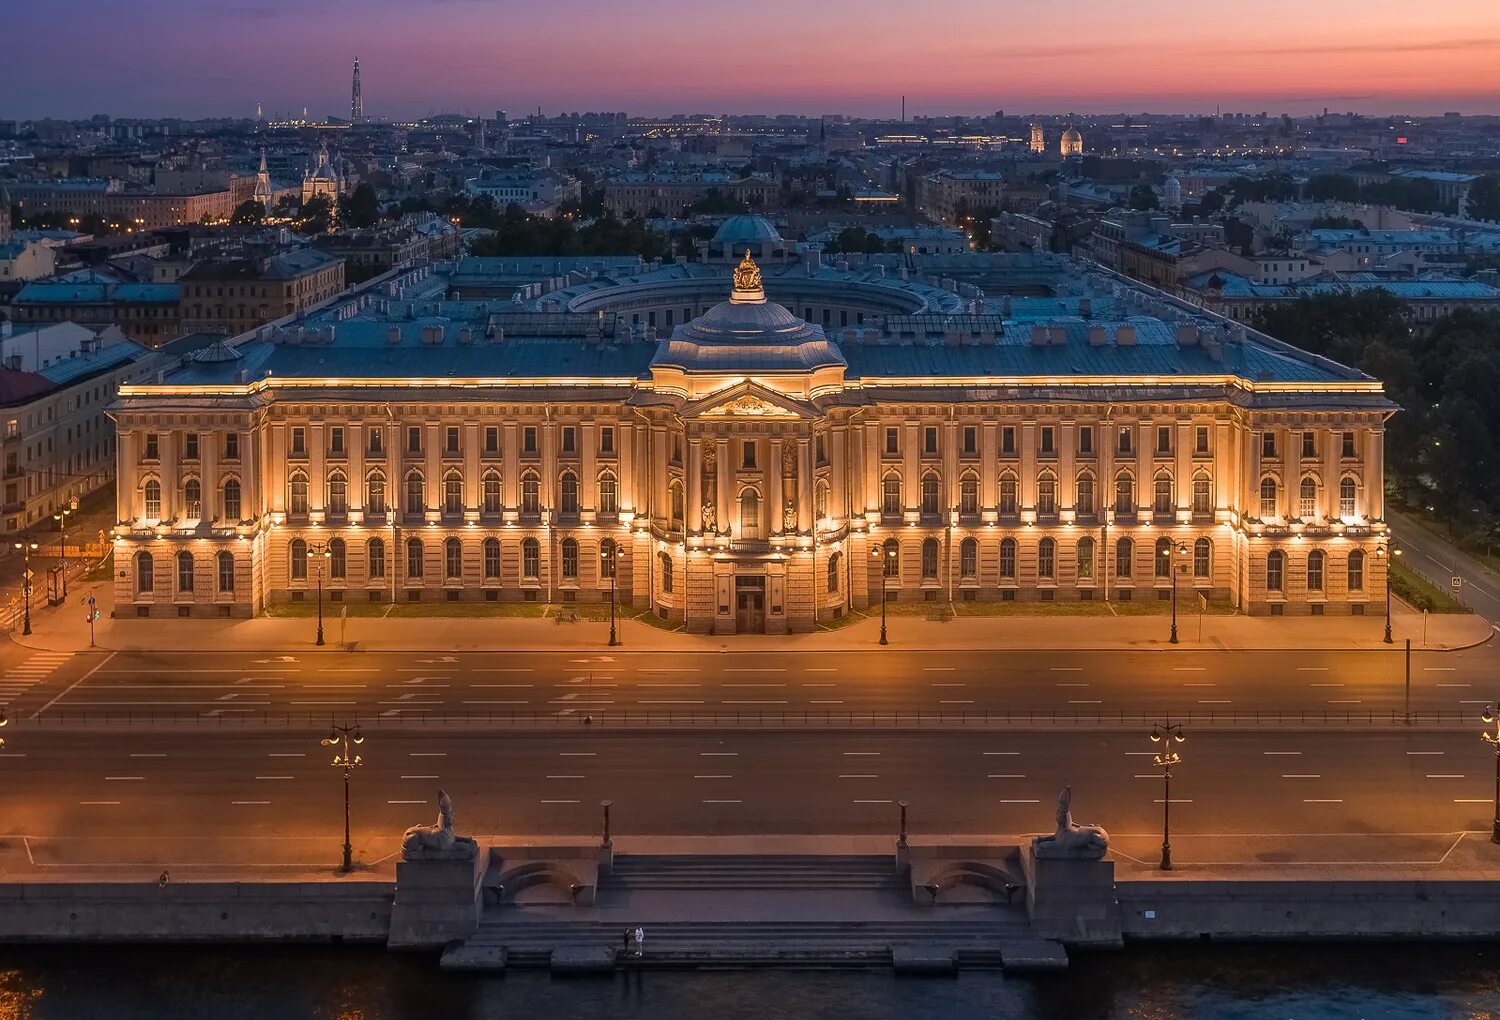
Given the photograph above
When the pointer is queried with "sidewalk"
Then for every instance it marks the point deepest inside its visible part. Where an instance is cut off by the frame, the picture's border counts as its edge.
(65, 628)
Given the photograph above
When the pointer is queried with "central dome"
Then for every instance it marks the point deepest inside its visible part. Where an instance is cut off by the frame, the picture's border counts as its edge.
(747, 316)
(740, 231)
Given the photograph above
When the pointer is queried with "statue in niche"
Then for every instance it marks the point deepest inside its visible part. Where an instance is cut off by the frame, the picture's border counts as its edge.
(1071, 841)
(710, 473)
(437, 842)
(789, 460)
(710, 516)
(789, 516)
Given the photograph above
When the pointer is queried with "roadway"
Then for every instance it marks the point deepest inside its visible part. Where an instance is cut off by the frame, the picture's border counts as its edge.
(1440, 562)
(88, 799)
(417, 685)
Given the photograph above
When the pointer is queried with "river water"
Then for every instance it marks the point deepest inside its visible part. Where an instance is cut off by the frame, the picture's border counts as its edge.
(1215, 982)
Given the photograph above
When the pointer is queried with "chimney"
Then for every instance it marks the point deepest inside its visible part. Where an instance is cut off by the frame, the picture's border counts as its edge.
(1059, 335)
(1125, 336)
(1039, 335)
(465, 336)
(1098, 336)
(1187, 334)
(393, 334)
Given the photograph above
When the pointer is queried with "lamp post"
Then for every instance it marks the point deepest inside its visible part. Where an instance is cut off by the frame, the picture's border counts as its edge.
(341, 737)
(318, 552)
(1171, 552)
(1380, 553)
(886, 557)
(26, 549)
(4, 721)
(1492, 715)
(62, 525)
(1166, 734)
(612, 560)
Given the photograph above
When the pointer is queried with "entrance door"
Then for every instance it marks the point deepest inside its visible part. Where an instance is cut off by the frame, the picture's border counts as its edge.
(750, 605)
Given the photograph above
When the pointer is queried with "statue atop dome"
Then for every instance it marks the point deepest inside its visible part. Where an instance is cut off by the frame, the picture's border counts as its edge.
(748, 287)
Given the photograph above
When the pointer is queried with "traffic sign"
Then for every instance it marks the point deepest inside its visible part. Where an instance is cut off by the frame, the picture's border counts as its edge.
(1457, 582)
(28, 575)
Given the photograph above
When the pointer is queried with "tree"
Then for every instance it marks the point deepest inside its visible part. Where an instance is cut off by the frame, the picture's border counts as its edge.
(1333, 188)
(858, 239)
(248, 211)
(316, 216)
(1484, 198)
(1142, 197)
(360, 208)
(1335, 223)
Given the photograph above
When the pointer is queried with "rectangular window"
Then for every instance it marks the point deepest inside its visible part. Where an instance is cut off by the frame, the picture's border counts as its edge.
(1007, 439)
(607, 439)
(892, 441)
(528, 439)
(451, 439)
(1163, 439)
(336, 439)
(930, 440)
(153, 446)
(231, 446)
(299, 439)
(1123, 446)
(971, 439)
(821, 447)
(569, 439)
(377, 441)
(1086, 439)
(749, 454)
(1309, 444)
(1347, 445)
(1046, 441)
(1200, 439)
(1268, 444)
(414, 439)
(492, 439)
(190, 446)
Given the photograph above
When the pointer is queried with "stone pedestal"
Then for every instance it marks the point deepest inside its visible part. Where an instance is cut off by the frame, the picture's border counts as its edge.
(437, 899)
(1072, 900)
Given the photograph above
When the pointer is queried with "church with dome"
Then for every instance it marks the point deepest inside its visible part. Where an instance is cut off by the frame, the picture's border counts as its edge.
(758, 443)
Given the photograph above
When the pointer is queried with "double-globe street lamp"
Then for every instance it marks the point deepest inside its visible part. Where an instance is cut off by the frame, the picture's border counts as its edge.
(610, 559)
(1166, 734)
(1492, 716)
(27, 548)
(61, 517)
(341, 737)
(1380, 554)
(887, 556)
(1172, 553)
(318, 553)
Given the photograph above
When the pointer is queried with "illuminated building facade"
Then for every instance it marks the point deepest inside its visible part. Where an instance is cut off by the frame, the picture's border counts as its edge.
(757, 463)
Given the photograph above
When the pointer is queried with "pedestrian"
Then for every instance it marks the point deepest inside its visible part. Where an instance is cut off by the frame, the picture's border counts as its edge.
(640, 942)
(625, 940)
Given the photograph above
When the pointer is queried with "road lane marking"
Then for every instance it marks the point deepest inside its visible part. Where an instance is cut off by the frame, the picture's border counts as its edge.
(752, 685)
(1472, 800)
(1263, 752)
(501, 669)
(1204, 684)
(1424, 752)
(1345, 701)
(825, 683)
(559, 801)
(937, 669)
(714, 775)
(428, 754)
(506, 686)
(1005, 775)
(406, 802)
(754, 669)
(1020, 801)
(989, 754)
(146, 754)
(1444, 775)
(1174, 801)
(954, 683)
(275, 777)
(721, 801)
(1322, 800)
(1214, 701)
(523, 702)
(1188, 669)
(718, 754)
(861, 754)
(1312, 669)
(421, 777)
(286, 754)
(781, 702)
(858, 775)
(1300, 775)
(565, 777)
(1326, 685)
(666, 701)
(1095, 701)
(956, 701)
(98, 803)
(577, 754)
(1067, 669)
(1439, 669)
(123, 779)
(821, 669)
(243, 803)
(825, 701)
(1072, 685)
(877, 802)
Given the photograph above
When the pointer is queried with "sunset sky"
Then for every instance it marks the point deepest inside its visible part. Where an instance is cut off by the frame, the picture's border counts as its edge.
(221, 57)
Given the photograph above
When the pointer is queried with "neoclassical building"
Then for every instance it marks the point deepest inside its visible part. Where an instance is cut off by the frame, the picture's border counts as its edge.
(753, 448)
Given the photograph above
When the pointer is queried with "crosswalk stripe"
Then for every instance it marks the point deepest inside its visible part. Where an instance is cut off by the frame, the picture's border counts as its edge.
(20, 678)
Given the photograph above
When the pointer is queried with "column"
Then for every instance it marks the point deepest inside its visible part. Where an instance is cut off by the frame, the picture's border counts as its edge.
(725, 495)
(774, 495)
(806, 487)
(693, 497)
(1373, 487)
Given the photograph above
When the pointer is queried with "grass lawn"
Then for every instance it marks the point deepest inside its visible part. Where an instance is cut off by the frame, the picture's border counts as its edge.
(562, 612)
(1419, 593)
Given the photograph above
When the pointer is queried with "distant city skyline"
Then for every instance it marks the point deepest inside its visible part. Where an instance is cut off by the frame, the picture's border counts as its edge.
(194, 59)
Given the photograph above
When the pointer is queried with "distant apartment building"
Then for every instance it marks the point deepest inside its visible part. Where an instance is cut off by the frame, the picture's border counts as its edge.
(539, 191)
(948, 195)
(638, 194)
(122, 207)
(1427, 300)
(234, 295)
(368, 253)
(144, 312)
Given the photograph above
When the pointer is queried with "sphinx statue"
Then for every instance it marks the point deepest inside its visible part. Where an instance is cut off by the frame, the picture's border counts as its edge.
(437, 842)
(1071, 841)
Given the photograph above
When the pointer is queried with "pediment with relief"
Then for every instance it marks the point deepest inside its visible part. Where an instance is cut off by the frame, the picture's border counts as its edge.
(749, 405)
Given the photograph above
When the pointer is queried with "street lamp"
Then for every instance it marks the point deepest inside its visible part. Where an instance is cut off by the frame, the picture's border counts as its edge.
(26, 550)
(341, 737)
(1380, 553)
(1492, 715)
(62, 525)
(612, 560)
(886, 556)
(318, 552)
(1180, 549)
(1166, 734)
(4, 721)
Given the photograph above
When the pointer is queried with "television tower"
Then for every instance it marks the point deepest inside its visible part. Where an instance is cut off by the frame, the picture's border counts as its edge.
(356, 99)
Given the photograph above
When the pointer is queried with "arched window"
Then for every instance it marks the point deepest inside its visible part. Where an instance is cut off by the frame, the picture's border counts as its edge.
(1347, 490)
(453, 559)
(338, 494)
(1124, 558)
(890, 495)
(1008, 558)
(1161, 500)
(1162, 562)
(453, 494)
(750, 514)
(835, 565)
(608, 558)
(1084, 503)
(674, 504)
(891, 559)
(1307, 498)
(570, 559)
(192, 499)
(1315, 560)
(1008, 495)
(1276, 571)
(1202, 558)
(1268, 497)
(226, 571)
(492, 559)
(968, 495)
(415, 561)
(930, 559)
(375, 495)
(296, 557)
(664, 563)
(1085, 559)
(820, 501)
(1124, 493)
(568, 504)
(1046, 558)
(1046, 494)
(145, 573)
(232, 500)
(491, 486)
(338, 559)
(929, 495)
(609, 502)
(416, 496)
(185, 572)
(1202, 496)
(375, 549)
(968, 559)
(297, 497)
(531, 494)
(1356, 571)
(531, 559)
